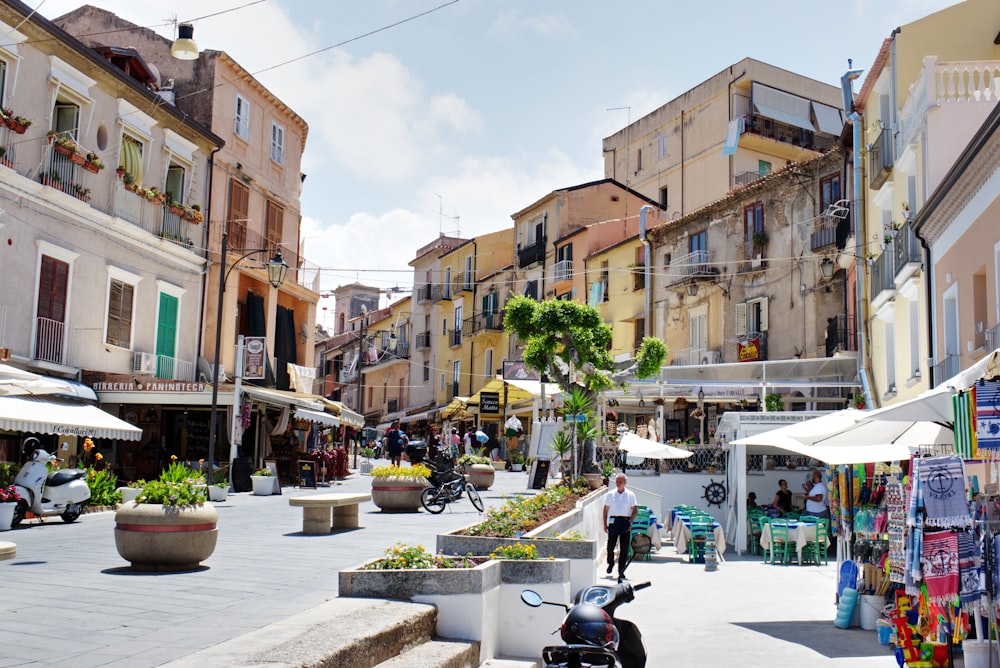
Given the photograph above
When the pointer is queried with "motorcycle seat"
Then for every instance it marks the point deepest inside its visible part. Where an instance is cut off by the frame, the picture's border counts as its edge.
(64, 476)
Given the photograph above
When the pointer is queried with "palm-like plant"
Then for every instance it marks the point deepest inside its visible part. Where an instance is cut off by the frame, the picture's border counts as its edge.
(562, 445)
(578, 408)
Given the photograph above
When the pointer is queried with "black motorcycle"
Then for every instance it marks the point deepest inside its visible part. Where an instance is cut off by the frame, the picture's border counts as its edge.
(592, 635)
(447, 485)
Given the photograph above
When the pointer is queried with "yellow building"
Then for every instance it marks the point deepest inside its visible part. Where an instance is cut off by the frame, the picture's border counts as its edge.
(925, 95)
(616, 280)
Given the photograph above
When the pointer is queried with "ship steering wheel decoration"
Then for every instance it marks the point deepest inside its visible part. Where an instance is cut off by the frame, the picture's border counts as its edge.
(715, 493)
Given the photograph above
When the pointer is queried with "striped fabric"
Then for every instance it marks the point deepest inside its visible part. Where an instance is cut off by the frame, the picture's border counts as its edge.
(964, 406)
(988, 419)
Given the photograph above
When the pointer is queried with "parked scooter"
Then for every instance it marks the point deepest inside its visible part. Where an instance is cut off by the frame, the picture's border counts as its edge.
(592, 635)
(62, 492)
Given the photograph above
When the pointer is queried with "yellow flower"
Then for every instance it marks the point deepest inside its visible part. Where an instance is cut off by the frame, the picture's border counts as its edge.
(98, 456)
(88, 444)
(173, 458)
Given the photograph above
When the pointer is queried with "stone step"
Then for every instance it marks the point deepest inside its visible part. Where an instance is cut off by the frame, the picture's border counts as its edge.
(437, 654)
(511, 663)
(341, 632)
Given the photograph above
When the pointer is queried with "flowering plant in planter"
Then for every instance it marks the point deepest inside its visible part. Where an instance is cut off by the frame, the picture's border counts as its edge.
(263, 473)
(401, 556)
(9, 494)
(170, 494)
(469, 460)
(415, 471)
(519, 551)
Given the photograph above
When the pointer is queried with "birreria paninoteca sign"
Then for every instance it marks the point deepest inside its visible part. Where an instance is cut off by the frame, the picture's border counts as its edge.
(130, 385)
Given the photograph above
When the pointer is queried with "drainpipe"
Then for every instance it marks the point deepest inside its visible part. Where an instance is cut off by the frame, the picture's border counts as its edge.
(929, 290)
(643, 212)
(860, 319)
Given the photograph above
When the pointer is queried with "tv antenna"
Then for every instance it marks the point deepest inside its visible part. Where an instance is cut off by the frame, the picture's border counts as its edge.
(442, 215)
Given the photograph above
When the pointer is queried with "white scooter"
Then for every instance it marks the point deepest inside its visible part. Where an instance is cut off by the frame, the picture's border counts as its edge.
(62, 492)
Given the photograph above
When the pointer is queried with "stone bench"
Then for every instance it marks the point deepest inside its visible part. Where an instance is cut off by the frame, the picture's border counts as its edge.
(317, 510)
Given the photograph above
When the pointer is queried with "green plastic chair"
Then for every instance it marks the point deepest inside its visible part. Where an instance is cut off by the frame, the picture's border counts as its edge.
(754, 530)
(697, 538)
(779, 541)
(817, 550)
(763, 521)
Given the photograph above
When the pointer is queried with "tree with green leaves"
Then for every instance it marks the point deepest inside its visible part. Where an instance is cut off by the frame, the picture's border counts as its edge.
(568, 342)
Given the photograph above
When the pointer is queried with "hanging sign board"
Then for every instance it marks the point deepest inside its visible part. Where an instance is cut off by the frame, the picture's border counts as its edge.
(254, 357)
(489, 402)
(749, 349)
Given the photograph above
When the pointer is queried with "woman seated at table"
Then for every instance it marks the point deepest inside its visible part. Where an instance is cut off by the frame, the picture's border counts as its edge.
(752, 500)
(782, 498)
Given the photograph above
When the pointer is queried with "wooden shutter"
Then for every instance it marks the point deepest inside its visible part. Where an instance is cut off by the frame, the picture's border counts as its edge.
(763, 314)
(52, 280)
(166, 326)
(741, 319)
(275, 222)
(238, 213)
(120, 302)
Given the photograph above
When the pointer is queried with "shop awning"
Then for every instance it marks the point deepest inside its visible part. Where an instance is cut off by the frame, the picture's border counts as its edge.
(15, 381)
(348, 417)
(457, 409)
(428, 414)
(52, 416)
(284, 397)
(317, 416)
(517, 391)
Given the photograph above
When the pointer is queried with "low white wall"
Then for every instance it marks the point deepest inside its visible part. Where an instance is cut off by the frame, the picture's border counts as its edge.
(468, 617)
(523, 631)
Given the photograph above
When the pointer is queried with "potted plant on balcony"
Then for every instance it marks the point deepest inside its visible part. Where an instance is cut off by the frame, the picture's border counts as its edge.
(93, 163)
(18, 124)
(759, 239)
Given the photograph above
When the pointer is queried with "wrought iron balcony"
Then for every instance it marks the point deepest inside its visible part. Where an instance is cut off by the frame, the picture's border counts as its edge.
(531, 254)
(883, 277)
(839, 335)
(880, 159)
(455, 337)
(490, 321)
(562, 271)
(49, 340)
(789, 134)
(906, 252)
(424, 293)
(423, 340)
(462, 283)
(945, 369)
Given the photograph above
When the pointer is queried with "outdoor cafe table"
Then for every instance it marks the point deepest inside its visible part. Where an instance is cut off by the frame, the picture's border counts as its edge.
(800, 532)
(680, 532)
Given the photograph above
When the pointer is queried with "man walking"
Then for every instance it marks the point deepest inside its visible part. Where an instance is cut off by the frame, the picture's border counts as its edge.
(620, 508)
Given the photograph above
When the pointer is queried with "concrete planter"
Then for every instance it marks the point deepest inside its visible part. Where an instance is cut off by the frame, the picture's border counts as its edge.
(263, 485)
(523, 630)
(482, 476)
(129, 493)
(155, 537)
(398, 494)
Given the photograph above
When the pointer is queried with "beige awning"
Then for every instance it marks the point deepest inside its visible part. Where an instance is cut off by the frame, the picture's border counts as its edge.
(53, 416)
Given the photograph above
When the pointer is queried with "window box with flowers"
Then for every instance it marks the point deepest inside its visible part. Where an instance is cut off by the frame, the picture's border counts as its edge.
(168, 527)
(92, 163)
(18, 124)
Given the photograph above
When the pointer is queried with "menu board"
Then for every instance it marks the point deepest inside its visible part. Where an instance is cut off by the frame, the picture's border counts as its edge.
(307, 473)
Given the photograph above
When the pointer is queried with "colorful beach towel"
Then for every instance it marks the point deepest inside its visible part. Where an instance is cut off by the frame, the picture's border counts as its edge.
(942, 490)
(939, 563)
(988, 419)
(970, 589)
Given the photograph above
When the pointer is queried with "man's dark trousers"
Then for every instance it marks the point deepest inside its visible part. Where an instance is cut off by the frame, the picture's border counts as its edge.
(619, 531)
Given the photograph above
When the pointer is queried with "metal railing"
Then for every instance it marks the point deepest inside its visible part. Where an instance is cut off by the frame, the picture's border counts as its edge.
(824, 235)
(880, 159)
(455, 337)
(49, 340)
(696, 263)
(906, 248)
(839, 335)
(787, 133)
(462, 282)
(562, 271)
(531, 254)
(424, 293)
(484, 321)
(9, 142)
(945, 369)
(172, 368)
(746, 178)
(422, 340)
(992, 335)
(883, 274)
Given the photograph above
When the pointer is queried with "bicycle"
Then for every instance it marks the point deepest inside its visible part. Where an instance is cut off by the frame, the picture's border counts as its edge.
(448, 485)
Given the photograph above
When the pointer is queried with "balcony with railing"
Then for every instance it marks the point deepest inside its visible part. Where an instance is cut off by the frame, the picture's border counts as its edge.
(50, 340)
(455, 337)
(881, 158)
(697, 264)
(172, 368)
(906, 253)
(883, 287)
(746, 178)
(991, 337)
(785, 133)
(424, 293)
(243, 238)
(945, 369)
(839, 336)
(463, 282)
(939, 85)
(440, 292)
(422, 341)
(8, 146)
(66, 169)
(561, 274)
(531, 253)
(487, 321)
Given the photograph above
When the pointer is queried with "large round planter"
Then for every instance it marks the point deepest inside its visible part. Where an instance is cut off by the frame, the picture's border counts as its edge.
(481, 475)
(397, 495)
(6, 515)
(263, 485)
(155, 537)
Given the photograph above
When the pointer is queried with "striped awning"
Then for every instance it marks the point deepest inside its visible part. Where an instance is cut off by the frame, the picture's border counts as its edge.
(52, 416)
(130, 157)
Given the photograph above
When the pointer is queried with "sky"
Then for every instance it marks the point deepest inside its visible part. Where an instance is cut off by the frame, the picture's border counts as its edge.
(452, 121)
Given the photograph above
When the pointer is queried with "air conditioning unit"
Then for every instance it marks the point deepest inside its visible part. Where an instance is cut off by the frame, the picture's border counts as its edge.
(144, 363)
(711, 357)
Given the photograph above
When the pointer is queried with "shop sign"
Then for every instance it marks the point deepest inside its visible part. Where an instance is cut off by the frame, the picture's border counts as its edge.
(749, 349)
(254, 357)
(519, 371)
(489, 402)
(120, 383)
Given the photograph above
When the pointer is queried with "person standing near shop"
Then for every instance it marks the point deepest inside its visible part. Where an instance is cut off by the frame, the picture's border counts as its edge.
(620, 507)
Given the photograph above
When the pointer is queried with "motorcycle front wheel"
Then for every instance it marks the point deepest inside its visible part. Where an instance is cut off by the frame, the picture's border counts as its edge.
(432, 500)
(473, 494)
(72, 512)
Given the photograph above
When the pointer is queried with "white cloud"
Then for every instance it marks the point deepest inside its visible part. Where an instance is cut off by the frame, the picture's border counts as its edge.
(544, 24)
(455, 113)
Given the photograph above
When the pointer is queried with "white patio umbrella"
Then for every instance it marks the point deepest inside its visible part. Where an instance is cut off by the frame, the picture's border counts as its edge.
(637, 446)
(18, 382)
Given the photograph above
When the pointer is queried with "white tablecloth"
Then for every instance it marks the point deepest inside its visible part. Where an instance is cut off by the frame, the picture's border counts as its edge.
(680, 533)
(800, 534)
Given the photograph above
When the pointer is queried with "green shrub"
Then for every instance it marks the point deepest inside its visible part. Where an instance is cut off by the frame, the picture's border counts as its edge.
(170, 494)
(103, 487)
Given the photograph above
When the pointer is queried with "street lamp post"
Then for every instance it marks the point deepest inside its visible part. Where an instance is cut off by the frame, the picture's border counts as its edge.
(276, 271)
(701, 420)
